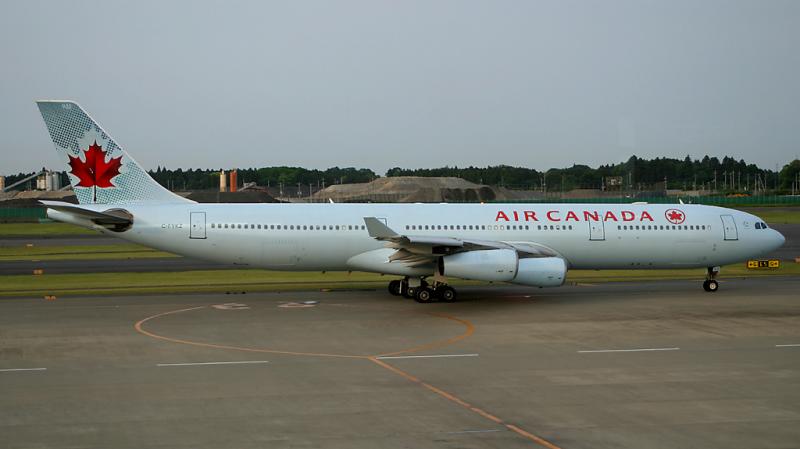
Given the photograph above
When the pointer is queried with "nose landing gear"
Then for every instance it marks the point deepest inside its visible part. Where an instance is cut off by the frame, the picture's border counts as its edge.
(711, 285)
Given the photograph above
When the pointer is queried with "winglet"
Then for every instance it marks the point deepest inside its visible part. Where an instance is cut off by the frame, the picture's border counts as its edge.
(378, 230)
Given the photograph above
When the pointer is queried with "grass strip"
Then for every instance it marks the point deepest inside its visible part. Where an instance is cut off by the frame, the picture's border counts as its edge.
(42, 230)
(251, 280)
(80, 252)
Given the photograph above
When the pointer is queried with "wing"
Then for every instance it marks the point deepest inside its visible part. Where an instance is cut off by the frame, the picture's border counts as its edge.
(415, 250)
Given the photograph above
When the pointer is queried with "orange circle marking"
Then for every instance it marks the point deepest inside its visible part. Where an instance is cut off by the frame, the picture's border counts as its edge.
(470, 329)
(139, 326)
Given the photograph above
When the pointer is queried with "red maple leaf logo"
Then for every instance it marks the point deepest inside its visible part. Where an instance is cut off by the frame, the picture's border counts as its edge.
(95, 171)
(675, 216)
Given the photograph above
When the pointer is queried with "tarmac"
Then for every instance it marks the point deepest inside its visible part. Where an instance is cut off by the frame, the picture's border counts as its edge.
(617, 365)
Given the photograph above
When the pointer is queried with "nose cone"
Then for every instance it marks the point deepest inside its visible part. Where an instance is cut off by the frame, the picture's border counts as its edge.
(779, 239)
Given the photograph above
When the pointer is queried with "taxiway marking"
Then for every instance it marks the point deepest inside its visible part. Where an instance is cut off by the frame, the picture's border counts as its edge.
(8, 370)
(457, 400)
(425, 356)
(627, 350)
(243, 362)
(793, 345)
(469, 330)
(474, 431)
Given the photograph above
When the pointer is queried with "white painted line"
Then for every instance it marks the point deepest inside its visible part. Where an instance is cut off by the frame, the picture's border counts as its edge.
(425, 356)
(474, 431)
(788, 346)
(629, 350)
(245, 362)
(8, 370)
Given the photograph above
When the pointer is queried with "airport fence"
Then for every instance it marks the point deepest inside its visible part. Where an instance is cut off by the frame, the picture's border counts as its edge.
(771, 200)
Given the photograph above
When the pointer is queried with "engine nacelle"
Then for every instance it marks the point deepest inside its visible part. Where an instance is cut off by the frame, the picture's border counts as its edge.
(498, 265)
(504, 265)
(541, 272)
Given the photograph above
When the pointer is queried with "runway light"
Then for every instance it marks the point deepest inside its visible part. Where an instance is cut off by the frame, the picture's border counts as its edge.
(38, 272)
(50, 297)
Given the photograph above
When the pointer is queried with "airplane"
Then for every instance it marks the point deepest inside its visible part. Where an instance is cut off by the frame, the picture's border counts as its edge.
(423, 244)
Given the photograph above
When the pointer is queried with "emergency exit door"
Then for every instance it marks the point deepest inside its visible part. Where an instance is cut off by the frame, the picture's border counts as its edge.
(597, 230)
(729, 227)
(197, 225)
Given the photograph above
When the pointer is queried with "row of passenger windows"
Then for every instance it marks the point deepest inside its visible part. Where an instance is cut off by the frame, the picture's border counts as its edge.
(289, 227)
(470, 227)
(453, 227)
(662, 227)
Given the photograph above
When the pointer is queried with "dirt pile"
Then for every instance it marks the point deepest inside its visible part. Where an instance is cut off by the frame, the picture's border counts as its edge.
(408, 189)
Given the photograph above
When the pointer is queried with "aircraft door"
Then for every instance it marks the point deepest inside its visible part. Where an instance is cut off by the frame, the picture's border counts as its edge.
(729, 227)
(597, 230)
(197, 225)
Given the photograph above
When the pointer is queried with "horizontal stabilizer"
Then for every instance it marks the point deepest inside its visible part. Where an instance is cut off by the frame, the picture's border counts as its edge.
(114, 219)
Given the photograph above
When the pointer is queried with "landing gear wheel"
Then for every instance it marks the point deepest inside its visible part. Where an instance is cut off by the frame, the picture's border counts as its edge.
(423, 295)
(711, 285)
(411, 292)
(395, 287)
(447, 293)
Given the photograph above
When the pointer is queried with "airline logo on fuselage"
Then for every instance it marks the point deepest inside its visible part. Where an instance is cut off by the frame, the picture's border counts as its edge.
(675, 216)
(571, 215)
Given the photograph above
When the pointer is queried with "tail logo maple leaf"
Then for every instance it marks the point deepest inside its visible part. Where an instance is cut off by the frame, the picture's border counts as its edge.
(95, 171)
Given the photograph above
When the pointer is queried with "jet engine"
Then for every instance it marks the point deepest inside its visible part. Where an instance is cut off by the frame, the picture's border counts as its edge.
(505, 265)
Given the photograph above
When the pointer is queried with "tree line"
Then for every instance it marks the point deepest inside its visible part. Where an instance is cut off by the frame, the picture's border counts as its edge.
(709, 173)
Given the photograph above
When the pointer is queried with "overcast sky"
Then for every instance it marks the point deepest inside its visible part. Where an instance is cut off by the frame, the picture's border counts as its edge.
(379, 84)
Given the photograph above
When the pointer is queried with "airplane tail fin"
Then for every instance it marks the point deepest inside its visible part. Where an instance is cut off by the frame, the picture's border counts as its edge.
(100, 171)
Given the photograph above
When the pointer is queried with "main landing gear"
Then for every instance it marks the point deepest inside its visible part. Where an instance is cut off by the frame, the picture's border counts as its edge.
(711, 285)
(421, 291)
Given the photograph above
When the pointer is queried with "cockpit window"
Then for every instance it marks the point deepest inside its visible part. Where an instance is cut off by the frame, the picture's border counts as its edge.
(763, 225)
(758, 225)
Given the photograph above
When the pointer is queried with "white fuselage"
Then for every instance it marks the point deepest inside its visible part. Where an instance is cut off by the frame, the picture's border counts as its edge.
(326, 236)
